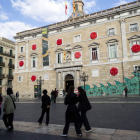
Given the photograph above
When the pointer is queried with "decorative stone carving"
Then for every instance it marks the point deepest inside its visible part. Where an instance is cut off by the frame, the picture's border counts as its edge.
(68, 56)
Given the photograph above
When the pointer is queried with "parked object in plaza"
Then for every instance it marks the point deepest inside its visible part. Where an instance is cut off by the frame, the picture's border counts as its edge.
(9, 109)
(126, 91)
(46, 101)
(83, 107)
(72, 114)
(17, 96)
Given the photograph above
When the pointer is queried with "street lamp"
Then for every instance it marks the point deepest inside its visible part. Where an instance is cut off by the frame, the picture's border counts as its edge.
(84, 78)
(40, 82)
(137, 71)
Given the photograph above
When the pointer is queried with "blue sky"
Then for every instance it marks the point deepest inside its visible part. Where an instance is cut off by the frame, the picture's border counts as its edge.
(20, 15)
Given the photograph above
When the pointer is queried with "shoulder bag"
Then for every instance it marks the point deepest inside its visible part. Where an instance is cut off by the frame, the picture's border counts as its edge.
(13, 102)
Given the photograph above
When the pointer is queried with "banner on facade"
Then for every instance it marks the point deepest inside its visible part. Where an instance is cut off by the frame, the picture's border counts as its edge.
(45, 52)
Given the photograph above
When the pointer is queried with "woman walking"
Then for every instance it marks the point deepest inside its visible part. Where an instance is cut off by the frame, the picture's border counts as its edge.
(72, 115)
(9, 108)
(83, 107)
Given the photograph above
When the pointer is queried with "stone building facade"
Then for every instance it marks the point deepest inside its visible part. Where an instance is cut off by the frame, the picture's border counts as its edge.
(7, 61)
(117, 30)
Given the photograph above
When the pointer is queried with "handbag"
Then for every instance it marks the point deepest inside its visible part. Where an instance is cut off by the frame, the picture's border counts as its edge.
(88, 105)
(13, 102)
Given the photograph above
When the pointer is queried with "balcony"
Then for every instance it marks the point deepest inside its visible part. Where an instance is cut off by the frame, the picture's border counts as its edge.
(11, 65)
(2, 64)
(10, 76)
(68, 64)
(2, 76)
(7, 54)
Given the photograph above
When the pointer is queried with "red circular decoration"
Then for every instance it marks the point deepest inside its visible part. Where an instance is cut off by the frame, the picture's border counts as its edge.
(59, 41)
(33, 78)
(21, 63)
(135, 48)
(34, 47)
(113, 71)
(93, 35)
(77, 55)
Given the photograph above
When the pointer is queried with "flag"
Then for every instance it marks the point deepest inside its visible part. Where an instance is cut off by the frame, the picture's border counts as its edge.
(64, 56)
(66, 8)
(74, 6)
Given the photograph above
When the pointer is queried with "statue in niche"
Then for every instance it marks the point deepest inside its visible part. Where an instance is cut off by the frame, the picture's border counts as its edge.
(68, 56)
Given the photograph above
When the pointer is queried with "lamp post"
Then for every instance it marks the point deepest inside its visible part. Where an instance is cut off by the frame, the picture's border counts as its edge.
(137, 71)
(84, 78)
(40, 82)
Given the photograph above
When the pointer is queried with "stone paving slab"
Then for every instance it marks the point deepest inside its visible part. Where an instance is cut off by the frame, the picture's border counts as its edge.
(56, 130)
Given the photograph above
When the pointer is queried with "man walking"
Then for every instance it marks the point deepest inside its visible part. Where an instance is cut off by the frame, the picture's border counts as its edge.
(46, 101)
(17, 96)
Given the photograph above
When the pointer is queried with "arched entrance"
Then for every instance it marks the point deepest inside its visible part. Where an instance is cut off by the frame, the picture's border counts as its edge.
(69, 81)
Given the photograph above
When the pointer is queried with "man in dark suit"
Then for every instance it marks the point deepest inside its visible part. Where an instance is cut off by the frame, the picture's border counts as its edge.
(46, 101)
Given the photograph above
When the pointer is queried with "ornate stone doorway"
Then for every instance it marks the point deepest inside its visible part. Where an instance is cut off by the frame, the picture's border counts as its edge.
(69, 81)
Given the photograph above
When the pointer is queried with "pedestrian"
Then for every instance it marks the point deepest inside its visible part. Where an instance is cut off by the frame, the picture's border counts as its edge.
(46, 101)
(52, 96)
(63, 92)
(17, 96)
(72, 114)
(83, 107)
(126, 91)
(9, 109)
(1, 99)
(55, 95)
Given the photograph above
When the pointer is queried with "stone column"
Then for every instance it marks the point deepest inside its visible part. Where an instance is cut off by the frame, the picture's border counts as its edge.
(56, 80)
(79, 78)
(61, 80)
(75, 79)
(16, 56)
(27, 49)
(124, 43)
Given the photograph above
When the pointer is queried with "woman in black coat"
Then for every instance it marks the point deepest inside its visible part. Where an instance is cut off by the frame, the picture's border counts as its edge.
(83, 107)
(72, 114)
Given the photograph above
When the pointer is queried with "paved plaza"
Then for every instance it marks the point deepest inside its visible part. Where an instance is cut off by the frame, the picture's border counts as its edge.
(111, 118)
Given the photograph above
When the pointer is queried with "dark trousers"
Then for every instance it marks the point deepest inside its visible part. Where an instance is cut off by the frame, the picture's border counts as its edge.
(77, 128)
(54, 99)
(8, 120)
(47, 110)
(0, 111)
(85, 121)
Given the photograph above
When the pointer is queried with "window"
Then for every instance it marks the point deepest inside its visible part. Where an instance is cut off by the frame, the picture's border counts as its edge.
(133, 27)
(112, 51)
(0, 70)
(111, 31)
(19, 78)
(1, 49)
(94, 54)
(11, 52)
(59, 58)
(9, 82)
(34, 62)
(0, 81)
(136, 42)
(10, 72)
(1, 59)
(76, 6)
(77, 38)
(21, 49)
(10, 61)
(137, 68)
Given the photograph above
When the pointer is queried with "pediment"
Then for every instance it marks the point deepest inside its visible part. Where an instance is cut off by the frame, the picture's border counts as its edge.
(59, 50)
(134, 37)
(94, 44)
(21, 56)
(112, 41)
(77, 47)
(33, 54)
